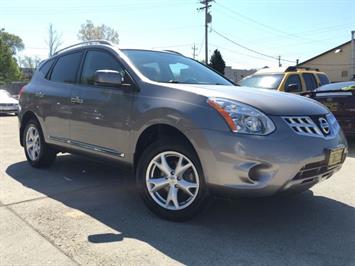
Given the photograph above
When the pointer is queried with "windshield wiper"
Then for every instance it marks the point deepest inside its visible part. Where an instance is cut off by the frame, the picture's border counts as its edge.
(173, 81)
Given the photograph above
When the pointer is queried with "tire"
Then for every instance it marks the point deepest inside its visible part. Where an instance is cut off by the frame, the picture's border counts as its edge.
(176, 196)
(39, 154)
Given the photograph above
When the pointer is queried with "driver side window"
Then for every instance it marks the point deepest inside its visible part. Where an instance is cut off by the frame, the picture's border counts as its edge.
(98, 60)
(295, 81)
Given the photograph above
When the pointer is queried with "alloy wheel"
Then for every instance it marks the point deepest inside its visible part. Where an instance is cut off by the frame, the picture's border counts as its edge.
(33, 143)
(172, 180)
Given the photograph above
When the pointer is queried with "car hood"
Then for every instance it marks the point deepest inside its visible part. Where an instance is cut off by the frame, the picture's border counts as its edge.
(269, 101)
(8, 100)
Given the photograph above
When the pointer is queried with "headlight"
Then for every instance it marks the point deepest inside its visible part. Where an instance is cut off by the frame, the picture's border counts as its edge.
(242, 118)
(333, 122)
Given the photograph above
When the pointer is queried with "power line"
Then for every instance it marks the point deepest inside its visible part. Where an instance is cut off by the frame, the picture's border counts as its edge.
(251, 50)
(172, 46)
(239, 53)
(262, 24)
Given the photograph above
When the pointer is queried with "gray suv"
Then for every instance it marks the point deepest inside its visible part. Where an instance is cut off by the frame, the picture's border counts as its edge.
(187, 131)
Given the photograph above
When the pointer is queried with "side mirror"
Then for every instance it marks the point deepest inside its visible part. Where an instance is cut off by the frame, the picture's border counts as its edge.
(292, 88)
(108, 78)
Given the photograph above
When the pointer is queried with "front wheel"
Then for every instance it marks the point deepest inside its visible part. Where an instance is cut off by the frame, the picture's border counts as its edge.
(37, 152)
(171, 180)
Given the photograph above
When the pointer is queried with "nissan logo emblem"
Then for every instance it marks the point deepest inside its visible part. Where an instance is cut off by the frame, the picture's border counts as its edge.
(324, 125)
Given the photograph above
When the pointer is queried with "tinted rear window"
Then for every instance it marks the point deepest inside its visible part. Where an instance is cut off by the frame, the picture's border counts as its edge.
(66, 68)
(323, 79)
(46, 66)
(310, 81)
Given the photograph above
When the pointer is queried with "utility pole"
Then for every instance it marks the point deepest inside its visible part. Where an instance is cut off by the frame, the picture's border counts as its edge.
(194, 49)
(208, 19)
(280, 61)
(353, 55)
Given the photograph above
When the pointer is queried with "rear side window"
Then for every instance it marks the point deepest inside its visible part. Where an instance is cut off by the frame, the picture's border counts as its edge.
(98, 60)
(310, 81)
(293, 80)
(46, 66)
(66, 68)
(323, 79)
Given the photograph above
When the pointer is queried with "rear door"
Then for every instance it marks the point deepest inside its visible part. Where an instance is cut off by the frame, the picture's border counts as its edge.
(310, 81)
(55, 94)
(100, 113)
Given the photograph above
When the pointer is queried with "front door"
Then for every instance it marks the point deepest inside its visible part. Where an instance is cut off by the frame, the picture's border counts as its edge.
(100, 113)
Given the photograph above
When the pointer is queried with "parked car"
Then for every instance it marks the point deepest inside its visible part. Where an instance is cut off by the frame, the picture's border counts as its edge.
(340, 99)
(8, 104)
(290, 79)
(187, 131)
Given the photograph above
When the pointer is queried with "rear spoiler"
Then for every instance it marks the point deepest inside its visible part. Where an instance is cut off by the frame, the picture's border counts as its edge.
(343, 92)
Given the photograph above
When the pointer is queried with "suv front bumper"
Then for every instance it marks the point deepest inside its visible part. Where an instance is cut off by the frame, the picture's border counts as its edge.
(264, 165)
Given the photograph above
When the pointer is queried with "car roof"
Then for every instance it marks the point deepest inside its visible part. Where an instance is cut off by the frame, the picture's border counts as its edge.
(336, 86)
(100, 44)
(283, 70)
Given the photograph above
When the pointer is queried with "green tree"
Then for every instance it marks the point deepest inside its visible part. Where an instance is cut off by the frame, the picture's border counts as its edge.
(9, 45)
(88, 31)
(13, 41)
(217, 62)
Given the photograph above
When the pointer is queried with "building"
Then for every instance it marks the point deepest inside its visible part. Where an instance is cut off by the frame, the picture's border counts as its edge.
(336, 62)
(237, 74)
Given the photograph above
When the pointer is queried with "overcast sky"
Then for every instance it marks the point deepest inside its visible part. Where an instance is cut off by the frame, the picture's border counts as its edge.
(293, 29)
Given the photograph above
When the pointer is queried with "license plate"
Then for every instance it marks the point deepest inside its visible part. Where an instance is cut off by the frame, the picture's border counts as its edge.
(335, 156)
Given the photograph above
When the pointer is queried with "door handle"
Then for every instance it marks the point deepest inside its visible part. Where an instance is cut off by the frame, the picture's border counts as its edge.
(76, 100)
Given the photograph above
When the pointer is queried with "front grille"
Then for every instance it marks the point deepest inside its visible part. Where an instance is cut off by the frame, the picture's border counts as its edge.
(315, 169)
(303, 125)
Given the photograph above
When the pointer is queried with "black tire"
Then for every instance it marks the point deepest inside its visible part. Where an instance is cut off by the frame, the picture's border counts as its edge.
(46, 154)
(165, 145)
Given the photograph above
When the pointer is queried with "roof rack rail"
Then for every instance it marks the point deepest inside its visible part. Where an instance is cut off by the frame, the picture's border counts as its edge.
(84, 43)
(295, 68)
(172, 51)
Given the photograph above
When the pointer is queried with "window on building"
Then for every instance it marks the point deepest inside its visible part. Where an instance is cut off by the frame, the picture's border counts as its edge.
(344, 74)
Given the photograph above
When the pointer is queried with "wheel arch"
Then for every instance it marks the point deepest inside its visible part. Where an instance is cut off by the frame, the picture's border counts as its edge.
(25, 118)
(153, 133)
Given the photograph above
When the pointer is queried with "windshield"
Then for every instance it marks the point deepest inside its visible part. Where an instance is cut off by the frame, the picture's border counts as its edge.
(270, 82)
(173, 68)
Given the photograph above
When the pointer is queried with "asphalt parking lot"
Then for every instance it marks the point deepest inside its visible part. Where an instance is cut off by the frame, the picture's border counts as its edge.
(85, 212)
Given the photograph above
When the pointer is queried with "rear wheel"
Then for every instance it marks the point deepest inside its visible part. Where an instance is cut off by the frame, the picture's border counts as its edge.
(171, 180)
(37, 152)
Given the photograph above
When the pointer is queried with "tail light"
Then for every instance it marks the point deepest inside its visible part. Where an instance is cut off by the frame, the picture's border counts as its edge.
(21, 91)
